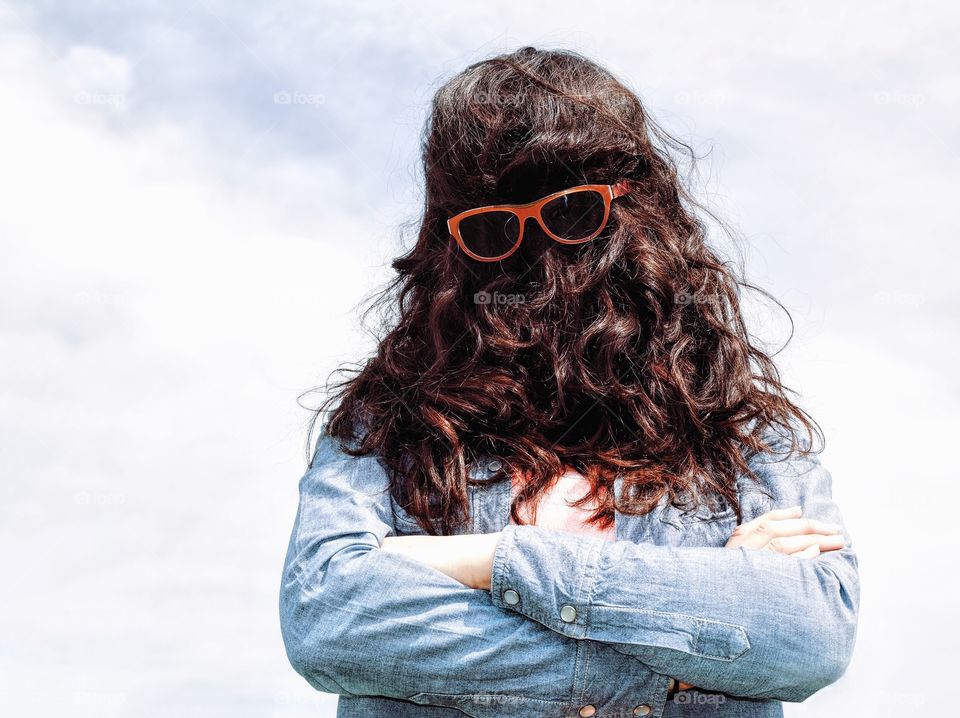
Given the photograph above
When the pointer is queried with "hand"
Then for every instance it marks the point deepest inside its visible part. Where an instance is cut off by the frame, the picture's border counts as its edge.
(783, 531)
(467, 558)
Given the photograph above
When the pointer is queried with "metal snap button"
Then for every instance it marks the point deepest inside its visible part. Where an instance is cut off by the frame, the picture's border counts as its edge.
(587, 710)
(495, 465)
(568, 614)
(512, 597)
(641, 710)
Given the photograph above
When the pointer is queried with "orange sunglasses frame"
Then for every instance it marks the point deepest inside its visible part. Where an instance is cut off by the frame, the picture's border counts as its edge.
(532, 209)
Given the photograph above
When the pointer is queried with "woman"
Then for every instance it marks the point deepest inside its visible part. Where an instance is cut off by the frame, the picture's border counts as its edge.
(567, 483)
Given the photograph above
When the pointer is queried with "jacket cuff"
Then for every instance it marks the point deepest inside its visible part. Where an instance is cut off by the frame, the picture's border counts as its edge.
(553, 587)
(586, 587)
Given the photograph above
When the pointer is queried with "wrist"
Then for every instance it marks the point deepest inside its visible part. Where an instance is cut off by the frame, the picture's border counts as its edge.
(482, 562)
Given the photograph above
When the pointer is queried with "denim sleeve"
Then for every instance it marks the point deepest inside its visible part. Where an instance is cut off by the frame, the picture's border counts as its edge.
(749, 623)
(360, 621)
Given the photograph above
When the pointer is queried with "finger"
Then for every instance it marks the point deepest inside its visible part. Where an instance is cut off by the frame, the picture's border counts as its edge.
(832, 543)
(796, 527)
(793, 544)
(788, 543)
(748, 527)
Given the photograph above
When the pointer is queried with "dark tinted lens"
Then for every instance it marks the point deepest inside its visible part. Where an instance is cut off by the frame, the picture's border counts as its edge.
(574, 216)
(490, 234)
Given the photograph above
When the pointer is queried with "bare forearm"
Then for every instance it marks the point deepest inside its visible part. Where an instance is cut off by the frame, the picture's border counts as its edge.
(468, 558)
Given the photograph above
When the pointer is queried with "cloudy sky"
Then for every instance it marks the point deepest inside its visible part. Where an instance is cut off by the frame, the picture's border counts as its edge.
(197, 197)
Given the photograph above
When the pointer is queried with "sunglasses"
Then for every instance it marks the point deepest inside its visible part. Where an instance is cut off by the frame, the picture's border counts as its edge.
(570, 216)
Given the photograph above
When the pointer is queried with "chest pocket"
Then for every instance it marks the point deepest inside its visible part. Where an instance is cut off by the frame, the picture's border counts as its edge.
(405, 524)
(703, 526)
(488, 501)
(667, 525)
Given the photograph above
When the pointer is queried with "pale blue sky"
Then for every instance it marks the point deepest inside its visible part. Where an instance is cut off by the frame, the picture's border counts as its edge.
(183, 253)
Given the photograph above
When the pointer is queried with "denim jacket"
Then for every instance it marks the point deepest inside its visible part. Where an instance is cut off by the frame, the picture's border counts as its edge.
(572, 625)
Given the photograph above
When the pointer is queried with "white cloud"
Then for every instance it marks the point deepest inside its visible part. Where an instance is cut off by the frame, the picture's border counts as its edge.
(180, 257)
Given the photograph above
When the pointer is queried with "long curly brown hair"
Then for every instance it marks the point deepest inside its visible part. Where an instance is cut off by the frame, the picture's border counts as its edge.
(624, 356)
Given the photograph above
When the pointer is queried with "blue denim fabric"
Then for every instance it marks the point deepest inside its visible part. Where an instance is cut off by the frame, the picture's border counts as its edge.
(599, 626)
